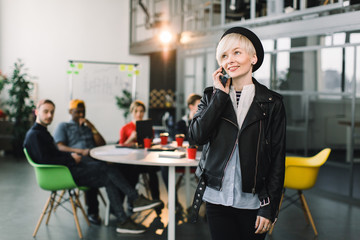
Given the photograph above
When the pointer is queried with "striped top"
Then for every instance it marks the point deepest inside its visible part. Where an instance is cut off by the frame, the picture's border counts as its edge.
(238, 94)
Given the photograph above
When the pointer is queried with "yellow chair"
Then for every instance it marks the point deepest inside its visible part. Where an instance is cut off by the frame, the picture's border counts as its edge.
(55, 178)
(301, 174)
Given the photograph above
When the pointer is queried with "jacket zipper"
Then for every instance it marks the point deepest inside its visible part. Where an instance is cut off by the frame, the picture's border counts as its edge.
(232, 152)
(231, 122)
(257, 159)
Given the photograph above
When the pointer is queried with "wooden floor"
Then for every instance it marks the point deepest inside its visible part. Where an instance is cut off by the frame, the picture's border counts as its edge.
(21, 202)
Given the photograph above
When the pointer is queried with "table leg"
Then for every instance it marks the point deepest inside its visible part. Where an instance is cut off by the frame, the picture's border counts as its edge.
(187, 186)
(171, 203)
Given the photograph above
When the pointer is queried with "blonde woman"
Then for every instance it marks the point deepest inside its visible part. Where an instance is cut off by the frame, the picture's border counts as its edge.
(242, 126)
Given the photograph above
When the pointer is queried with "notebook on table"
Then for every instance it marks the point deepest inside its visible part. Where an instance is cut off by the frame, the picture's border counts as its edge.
(172, 154)
(144, 129)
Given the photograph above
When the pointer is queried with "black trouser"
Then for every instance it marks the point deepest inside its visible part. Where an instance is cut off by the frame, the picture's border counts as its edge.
(231, 223)
(91, 195)
(97, 174)
(153, 180)
(92, 201)
(132, 172)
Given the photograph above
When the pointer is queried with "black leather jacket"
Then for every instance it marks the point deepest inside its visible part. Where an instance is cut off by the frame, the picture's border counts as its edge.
(261, 142)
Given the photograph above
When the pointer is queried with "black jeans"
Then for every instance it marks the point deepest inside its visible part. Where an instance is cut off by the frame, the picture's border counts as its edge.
(92, 201)
(231, 223)
(91, 195)
(153, 180)
(97, 174)
(132, 172)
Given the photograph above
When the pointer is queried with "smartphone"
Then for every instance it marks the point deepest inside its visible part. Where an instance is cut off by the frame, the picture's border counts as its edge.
(225, 77)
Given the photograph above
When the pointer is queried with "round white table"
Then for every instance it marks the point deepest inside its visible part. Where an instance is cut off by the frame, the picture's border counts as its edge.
(110, 153)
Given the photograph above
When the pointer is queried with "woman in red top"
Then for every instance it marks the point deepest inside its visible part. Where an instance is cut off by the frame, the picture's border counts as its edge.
(128, 132)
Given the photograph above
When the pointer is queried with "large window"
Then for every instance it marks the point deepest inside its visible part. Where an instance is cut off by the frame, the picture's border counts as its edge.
(316, 76)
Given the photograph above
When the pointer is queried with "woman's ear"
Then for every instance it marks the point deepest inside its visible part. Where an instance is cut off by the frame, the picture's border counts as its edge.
(254, 60)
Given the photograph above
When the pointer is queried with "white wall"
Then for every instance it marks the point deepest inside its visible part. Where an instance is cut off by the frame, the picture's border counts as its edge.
(46, 34)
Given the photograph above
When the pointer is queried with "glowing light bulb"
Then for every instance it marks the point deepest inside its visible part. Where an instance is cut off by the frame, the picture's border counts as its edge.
(166, 37)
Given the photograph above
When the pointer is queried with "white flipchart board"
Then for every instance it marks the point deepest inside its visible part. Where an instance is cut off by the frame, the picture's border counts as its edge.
(98, 83)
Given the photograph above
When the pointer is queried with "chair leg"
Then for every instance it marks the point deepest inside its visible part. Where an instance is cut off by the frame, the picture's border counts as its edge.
(178, 182)
(59, 200)
(303, 207)
(42, 215)
(75, 214)
(273, 225)
(53, 197)
(81, 208)
(146, 180)
(102, 197)
(107, 214)
(307, 210)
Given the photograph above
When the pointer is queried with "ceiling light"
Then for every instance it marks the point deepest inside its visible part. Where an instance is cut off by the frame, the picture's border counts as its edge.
(165, 37)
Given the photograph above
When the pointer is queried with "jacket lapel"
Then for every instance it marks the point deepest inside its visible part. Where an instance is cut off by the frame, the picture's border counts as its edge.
(256, 112)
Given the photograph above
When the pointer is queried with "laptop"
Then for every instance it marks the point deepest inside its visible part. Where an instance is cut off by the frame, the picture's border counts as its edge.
(144, 129)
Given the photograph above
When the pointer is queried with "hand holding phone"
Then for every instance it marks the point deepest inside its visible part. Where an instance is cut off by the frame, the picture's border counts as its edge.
(224, 77)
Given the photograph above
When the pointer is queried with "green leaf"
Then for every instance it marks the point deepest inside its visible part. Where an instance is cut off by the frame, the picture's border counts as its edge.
(124, 102)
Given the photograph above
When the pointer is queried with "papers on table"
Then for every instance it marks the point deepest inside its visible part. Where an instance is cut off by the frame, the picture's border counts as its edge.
(172, 154)
(115, 152)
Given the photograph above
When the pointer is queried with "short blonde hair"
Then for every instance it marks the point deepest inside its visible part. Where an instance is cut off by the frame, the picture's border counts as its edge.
(230, 41)
(135, 104)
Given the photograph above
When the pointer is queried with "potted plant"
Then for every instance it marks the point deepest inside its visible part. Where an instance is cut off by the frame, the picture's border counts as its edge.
(3, 81)
(19, 105)
(124, 102)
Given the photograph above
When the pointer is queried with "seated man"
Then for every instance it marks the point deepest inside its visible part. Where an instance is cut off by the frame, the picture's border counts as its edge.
(182, 126)
(43, 150)
(79, 135)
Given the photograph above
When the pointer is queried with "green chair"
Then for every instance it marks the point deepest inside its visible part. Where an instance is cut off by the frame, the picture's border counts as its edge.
(55, 178)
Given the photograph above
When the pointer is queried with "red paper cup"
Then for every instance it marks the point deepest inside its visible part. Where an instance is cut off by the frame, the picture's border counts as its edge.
(179, 139)
(147, 142)
(191, 152)
(164, 138)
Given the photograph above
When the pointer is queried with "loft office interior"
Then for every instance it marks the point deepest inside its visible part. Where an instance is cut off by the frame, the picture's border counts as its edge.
(312, 59)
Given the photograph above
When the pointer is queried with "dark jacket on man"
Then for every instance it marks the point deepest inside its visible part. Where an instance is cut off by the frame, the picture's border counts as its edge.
(42, 148)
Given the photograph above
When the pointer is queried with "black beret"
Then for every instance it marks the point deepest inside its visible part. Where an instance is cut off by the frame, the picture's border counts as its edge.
(253, 39)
